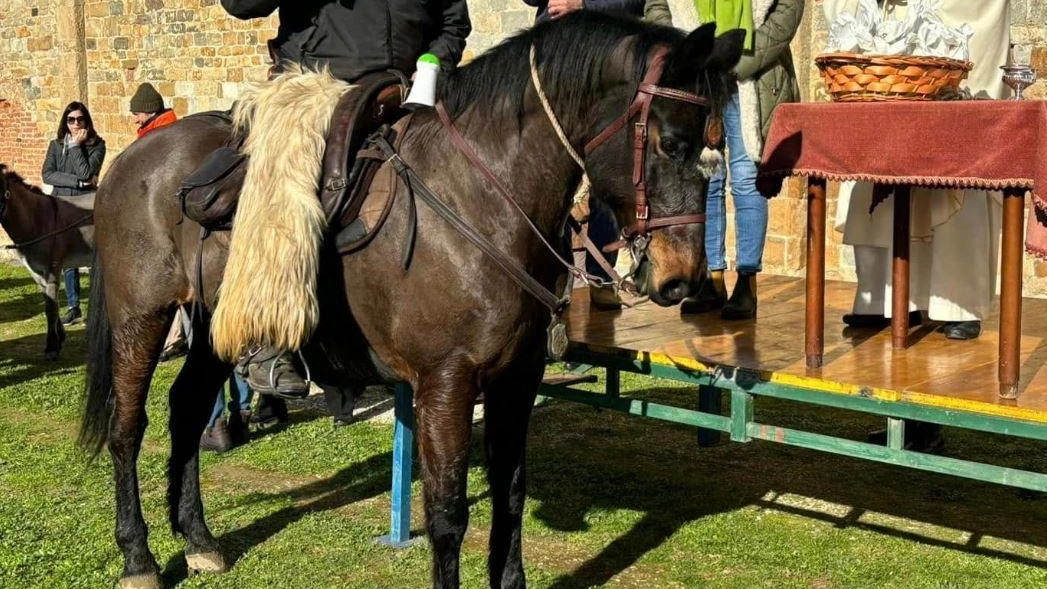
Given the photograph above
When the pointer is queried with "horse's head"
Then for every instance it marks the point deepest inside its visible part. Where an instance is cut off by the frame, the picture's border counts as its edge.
(678, 105)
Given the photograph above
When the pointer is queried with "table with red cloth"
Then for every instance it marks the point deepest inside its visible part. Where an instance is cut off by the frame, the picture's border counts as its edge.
(978, 144)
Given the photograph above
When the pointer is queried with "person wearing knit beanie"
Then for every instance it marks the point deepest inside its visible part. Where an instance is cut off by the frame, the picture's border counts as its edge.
(147, 100)
(147, 108)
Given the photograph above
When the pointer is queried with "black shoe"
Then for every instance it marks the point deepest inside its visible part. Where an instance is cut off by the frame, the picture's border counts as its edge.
(742, 304)
(920, 436)
(268, 412)
(73, 315)
(712, 296)
(879, 321)
(216, 438)
(962, 330)
(274, 372)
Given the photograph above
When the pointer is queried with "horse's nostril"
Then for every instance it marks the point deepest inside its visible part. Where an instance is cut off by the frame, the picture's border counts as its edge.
(675, 290)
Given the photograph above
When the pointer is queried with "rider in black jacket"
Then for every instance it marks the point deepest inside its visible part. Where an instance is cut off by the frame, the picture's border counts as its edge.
(351, 38)
(362, 36)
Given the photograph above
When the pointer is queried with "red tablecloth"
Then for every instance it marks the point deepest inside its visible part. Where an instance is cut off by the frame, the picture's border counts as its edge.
(989, 144)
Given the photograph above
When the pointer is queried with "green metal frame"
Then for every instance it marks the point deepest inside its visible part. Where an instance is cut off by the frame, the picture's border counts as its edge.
(746, 386)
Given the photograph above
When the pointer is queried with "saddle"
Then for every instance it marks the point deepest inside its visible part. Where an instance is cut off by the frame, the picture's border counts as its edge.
(209, 195)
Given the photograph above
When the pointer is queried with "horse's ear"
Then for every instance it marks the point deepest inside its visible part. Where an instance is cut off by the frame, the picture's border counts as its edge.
(687, 55)
(726, 51)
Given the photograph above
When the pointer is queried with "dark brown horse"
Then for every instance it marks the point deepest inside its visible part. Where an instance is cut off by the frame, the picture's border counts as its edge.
(452, 324)
(49, 234)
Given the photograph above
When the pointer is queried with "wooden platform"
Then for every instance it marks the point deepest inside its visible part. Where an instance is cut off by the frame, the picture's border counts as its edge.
(933, 371)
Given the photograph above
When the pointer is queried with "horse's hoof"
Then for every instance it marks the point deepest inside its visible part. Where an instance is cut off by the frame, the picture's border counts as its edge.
(147, 581)
(206, 562)
(51, 355)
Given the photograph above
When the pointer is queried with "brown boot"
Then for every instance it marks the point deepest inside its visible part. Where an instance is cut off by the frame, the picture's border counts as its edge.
(742, 304)
(216, 438)
(711, 296)
(604, 298)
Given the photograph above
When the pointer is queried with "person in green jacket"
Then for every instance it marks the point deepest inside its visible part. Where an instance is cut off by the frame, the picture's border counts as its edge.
(766, 78)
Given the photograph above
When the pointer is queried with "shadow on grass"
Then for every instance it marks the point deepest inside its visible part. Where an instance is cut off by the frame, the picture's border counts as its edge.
(354, 483)
(657, 469)
(22, 359)
(22, 279)
(26, 305)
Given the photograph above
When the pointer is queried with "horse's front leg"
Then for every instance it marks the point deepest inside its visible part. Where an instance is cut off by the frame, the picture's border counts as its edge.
(445, 410)
(507, 412)
(192, 398)
(136, 344)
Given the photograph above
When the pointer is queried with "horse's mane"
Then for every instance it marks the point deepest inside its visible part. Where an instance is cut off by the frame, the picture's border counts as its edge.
(571, 52)
(10, 175)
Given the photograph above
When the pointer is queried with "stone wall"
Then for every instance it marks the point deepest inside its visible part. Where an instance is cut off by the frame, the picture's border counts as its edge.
(55, 51)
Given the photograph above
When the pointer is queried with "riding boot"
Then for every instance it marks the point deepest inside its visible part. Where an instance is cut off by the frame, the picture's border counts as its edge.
(742, 304)
(273, 372)
(712, 295)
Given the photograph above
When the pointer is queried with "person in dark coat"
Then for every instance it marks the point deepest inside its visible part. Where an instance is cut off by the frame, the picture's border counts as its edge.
(72, 166)
(364, 36)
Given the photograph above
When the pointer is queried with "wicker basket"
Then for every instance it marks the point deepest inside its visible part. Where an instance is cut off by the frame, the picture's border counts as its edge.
(851, 77)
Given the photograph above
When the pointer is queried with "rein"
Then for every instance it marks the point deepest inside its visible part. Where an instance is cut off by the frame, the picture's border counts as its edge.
(637, 234)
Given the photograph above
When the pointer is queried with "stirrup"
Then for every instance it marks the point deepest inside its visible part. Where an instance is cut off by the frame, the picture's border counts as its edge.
(272, 372)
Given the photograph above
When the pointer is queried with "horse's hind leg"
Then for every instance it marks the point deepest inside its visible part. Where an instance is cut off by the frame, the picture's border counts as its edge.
(192, 398)
(136, 344)
(445, 410)
(507, 412)
(55, 331)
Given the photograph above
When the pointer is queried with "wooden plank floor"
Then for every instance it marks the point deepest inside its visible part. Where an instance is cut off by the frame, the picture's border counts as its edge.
(932, 371)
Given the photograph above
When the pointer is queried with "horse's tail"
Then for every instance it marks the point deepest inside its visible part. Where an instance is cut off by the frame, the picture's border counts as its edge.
(268, 291)
(98, 406)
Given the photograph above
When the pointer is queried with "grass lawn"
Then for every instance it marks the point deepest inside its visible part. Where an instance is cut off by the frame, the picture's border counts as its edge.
(613, 501)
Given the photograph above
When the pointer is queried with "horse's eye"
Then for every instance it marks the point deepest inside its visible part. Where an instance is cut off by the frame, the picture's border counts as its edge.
(672, 146)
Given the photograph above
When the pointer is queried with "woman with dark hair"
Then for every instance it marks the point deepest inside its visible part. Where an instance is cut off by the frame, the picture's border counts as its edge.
(74, 161)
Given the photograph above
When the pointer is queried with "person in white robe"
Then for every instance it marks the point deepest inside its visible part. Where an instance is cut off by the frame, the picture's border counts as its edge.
(955, 233)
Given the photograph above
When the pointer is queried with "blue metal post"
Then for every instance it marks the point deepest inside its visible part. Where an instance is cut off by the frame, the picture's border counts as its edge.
(403, 455)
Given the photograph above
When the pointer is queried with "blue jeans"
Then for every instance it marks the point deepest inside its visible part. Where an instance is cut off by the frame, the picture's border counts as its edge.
(72, 287)
(750, 216)
(602, 231)
(240, 401)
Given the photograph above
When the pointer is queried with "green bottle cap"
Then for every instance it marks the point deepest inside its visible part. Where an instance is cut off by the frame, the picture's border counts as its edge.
(429, 58)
